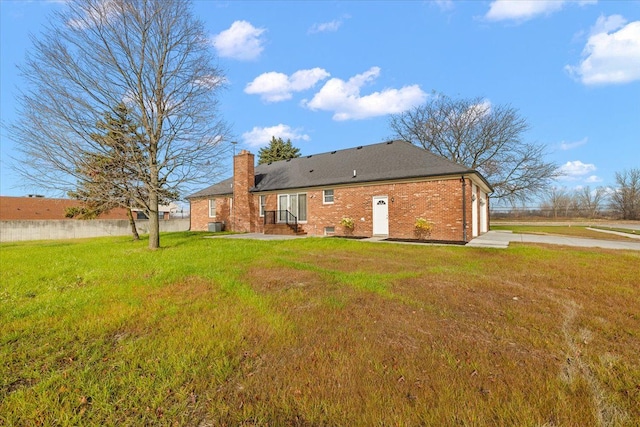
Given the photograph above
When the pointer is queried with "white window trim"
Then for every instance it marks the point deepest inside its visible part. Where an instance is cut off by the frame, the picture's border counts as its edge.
(324, 198)
(214, 208)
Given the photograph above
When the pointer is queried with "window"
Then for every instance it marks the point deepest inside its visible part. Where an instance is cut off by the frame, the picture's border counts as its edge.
(302, 207)
(212, 208)
(327, 197)
(328, 231)
(263, 202)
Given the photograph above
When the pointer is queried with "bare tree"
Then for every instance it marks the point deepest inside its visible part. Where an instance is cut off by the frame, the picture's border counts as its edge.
(481, 136)
(558, 202)
(591, 201)
(152, 55)
(625, 199)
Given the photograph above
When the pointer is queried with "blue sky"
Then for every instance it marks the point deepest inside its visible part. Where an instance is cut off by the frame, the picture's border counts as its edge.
(327, 74)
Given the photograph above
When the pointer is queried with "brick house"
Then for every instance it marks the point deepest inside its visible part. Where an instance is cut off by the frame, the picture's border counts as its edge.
(382, 187)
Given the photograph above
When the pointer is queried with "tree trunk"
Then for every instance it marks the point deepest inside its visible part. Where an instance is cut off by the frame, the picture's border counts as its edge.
(154, 221)
(153, 187)
(132, 223)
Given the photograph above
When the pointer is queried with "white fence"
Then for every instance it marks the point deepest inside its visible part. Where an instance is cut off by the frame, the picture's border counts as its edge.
(11, 231)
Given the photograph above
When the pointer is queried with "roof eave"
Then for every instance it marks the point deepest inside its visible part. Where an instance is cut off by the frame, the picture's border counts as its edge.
(403, 178)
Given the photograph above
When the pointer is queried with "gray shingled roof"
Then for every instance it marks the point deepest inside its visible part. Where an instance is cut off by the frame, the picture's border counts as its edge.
(219, 189)
(378, 162)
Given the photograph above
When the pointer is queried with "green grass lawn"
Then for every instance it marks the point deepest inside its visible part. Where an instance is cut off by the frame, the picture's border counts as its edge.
(316, 332)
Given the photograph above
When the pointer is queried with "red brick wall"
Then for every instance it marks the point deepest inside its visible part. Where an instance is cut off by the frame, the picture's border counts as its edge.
(438, 201)
(200, 213)
(28, 208)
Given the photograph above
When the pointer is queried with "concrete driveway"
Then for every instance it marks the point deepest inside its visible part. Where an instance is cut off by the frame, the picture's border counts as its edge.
(629, 225)
(501, 239)
(492, 239)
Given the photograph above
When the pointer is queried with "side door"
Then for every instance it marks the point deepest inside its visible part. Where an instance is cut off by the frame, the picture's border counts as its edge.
(380, 215)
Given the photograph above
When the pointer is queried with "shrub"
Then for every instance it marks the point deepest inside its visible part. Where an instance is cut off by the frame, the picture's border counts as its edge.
(423, 228)
(348, 222)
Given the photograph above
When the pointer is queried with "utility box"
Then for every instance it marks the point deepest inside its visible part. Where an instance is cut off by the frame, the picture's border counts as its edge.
(215, 226)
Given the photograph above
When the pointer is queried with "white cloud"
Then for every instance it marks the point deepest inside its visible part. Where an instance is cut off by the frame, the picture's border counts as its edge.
(593, 179)
(94, 14)
(241, 41)
(606, 24)
(261, 136)
(477, 111)
(324, 27)
(344, 99)
(275, 87)
(523, 10)
(610, 56)
(571, 145)
(575, 170)
(211, 81)
(444, 5)
(505, 10)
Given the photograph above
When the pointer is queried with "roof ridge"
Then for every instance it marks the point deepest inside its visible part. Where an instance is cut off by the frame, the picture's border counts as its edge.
(302, 157)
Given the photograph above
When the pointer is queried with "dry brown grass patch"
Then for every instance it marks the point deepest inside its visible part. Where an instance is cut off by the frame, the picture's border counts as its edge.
(316, 332)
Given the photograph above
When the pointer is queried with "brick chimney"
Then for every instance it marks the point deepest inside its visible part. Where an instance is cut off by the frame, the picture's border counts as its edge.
(242, 217)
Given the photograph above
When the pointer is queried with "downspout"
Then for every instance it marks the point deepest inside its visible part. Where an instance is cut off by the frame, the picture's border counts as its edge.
(488, 213)
(464, 209)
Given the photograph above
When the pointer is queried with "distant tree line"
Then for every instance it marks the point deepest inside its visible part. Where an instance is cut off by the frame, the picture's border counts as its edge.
(621, 202)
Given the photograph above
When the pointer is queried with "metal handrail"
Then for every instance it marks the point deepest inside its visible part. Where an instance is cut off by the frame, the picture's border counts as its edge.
(279, 217)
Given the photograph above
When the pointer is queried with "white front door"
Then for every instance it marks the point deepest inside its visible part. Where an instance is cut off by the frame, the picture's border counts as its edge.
(380, 215)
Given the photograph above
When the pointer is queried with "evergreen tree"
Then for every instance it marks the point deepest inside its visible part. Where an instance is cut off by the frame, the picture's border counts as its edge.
(106, 175)
(277, 150)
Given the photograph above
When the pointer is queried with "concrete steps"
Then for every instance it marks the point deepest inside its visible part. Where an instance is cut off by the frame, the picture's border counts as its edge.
(284, 229)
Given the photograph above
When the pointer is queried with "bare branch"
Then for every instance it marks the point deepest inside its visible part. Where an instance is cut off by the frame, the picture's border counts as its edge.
(151, 55)
(625, 199)
(481, 136)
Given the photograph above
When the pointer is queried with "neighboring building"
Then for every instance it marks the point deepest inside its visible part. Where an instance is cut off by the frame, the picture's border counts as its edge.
(383, 187)
(37, 207)
(164, 211)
